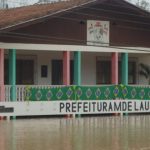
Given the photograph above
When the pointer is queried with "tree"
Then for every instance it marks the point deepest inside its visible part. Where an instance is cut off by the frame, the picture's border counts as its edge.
(23, 2)
(44, 1)
(143, 4)
(3, 4)
(145, 71)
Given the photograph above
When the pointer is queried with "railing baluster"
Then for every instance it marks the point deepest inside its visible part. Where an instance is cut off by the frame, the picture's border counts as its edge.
(9, 89)
(18, 93)
(23, 93)
(7, 93)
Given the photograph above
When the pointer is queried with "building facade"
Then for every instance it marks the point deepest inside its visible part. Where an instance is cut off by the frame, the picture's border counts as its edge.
(73, 43)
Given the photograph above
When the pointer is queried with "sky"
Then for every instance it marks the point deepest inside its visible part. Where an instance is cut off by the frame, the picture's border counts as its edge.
(16, 3)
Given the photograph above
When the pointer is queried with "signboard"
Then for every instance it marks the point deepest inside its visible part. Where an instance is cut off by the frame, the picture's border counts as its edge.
(98, 32)
(73, 107)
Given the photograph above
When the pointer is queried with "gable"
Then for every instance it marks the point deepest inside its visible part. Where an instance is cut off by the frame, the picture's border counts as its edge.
(23, 16)
(129, 26)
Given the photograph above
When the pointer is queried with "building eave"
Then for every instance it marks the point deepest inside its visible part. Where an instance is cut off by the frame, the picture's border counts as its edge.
(72, 48)
(36, 19)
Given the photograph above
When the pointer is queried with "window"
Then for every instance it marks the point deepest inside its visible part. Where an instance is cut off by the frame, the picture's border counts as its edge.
(57, 72)
(44, 71)
(103, 72)
(103, 75)
(132, 72)
(24, 71)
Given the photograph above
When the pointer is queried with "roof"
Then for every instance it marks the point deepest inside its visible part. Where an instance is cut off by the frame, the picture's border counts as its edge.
(17, 16)
(9, 17)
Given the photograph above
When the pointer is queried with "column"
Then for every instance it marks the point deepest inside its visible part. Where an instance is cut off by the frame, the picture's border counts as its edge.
(12, 73)
(66, 68)
(114, 68)
(124, 68)
(2, 87)
(77, 68)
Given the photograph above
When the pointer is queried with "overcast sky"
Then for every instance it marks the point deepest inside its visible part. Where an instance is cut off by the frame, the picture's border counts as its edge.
(15, 3)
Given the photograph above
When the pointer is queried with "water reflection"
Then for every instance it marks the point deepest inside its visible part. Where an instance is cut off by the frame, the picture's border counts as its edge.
(99, 133)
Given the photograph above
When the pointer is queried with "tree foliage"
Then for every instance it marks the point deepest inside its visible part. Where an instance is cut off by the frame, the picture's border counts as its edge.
(144, 4)
(145, 71)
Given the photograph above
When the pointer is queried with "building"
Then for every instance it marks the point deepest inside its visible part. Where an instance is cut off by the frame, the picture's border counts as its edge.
(81, 42)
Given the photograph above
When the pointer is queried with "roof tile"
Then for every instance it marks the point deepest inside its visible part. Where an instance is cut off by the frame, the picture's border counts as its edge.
(10, 17)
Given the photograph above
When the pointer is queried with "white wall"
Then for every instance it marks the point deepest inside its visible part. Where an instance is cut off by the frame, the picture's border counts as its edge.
(88, 65)
(45, 59)
(42, 58)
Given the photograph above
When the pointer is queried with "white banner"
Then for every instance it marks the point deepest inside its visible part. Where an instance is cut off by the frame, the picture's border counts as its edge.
(73, 107)
(98, 32)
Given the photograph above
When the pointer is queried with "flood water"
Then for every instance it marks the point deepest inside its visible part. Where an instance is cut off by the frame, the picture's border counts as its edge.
(97, 133)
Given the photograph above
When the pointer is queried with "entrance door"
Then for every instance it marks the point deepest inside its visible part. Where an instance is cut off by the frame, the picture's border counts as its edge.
(57, 72)
(103, 72)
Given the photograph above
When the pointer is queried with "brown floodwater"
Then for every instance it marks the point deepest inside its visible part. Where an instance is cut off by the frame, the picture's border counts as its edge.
(95, 133)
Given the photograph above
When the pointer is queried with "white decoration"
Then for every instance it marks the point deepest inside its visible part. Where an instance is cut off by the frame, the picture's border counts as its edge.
(98, 32)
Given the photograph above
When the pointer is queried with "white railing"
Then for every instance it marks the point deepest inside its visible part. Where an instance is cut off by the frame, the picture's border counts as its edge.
(21, 91)
(7, 93)
(140, 85)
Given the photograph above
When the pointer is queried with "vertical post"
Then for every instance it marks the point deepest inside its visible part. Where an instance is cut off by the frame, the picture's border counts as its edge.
(124, 68)
(2, 87)
(77, 68)
(114, 68)
(12, 73)
(66, 68)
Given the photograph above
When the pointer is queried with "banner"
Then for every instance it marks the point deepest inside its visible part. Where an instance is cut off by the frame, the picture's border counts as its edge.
(73, 107)
(111, 92)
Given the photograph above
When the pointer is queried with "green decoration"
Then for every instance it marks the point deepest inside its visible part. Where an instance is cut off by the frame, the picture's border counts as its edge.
(88, 93)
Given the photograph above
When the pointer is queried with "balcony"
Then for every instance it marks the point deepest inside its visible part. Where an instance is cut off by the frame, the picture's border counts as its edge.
(61, 92)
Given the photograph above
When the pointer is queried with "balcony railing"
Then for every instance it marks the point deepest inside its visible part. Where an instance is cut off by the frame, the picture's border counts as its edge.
(21, 91)
(96, 92)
